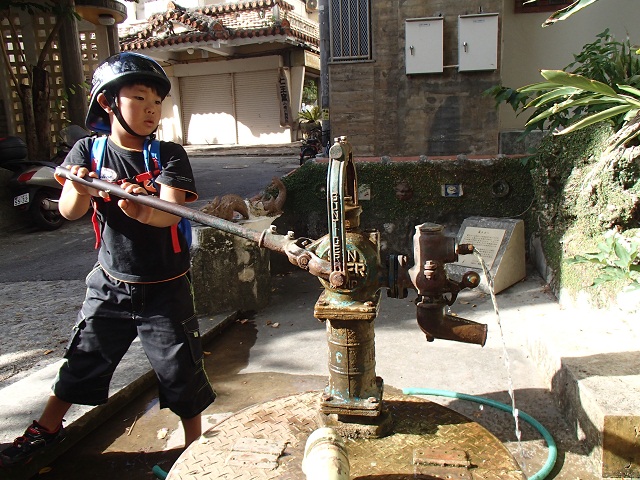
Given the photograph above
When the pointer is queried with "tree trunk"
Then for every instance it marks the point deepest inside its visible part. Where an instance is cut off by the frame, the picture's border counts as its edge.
(29, 123)
(41, 112)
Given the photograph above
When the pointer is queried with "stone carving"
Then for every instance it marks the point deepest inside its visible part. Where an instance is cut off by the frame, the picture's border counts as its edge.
(226, 207)
(234, 207)
(265, 204)
(403, 190)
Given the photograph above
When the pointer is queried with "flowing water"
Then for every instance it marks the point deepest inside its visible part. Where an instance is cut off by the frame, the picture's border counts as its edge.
(507, 362)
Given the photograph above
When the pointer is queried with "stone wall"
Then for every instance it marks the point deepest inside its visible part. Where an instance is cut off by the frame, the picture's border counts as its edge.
(386, 112)
(229, 272)
(403, 194)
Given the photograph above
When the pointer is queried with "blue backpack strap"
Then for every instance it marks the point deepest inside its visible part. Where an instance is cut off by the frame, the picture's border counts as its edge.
(97, 154)
(97, 159)
(151, 152)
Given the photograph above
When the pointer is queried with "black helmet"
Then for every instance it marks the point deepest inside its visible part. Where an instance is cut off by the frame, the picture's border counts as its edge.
(115, 71)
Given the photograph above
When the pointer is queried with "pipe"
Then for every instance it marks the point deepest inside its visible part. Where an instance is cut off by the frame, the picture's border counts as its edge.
(553, 450)
(325, 456)
(169, 207)
(436, 324)
(159, 473)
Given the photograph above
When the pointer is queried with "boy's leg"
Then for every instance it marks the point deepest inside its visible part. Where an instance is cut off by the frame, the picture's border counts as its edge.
(192, 429)
(53, 413)
(43, 433)
(169, 333)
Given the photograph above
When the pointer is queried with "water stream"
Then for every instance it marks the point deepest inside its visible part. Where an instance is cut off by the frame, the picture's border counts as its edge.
(507, 361)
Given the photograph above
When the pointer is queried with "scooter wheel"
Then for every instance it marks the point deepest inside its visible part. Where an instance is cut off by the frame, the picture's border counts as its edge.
(306, 154)
(43, 218)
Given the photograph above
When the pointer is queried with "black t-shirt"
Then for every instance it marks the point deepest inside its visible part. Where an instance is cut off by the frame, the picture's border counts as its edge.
(129, 250)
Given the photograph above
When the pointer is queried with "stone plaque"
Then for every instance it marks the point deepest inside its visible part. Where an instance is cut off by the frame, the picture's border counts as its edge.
(486, 241)
(500, 242)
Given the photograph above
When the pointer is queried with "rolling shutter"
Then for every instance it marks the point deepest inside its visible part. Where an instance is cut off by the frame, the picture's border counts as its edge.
(208, 115)
(258, 109)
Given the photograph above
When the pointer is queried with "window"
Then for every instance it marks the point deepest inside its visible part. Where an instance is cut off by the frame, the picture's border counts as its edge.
(524, 6)
(349, 24)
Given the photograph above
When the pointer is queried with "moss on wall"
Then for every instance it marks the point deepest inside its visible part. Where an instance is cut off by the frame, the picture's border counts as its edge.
(583, 187)
(497, 187)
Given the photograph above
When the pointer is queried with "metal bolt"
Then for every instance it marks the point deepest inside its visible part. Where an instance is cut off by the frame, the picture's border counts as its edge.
(303, 261)
(291, 234)
(337, 279)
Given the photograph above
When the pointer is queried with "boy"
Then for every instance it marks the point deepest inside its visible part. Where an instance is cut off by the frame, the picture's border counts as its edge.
(140, 285)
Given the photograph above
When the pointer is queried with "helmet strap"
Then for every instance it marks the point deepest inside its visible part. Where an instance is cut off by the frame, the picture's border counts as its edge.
(113, 105)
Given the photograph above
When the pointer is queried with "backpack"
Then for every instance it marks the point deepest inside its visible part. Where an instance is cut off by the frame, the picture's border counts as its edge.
(151, 152)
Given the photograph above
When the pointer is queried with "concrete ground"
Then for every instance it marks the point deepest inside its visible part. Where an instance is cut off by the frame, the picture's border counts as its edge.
(282, 350)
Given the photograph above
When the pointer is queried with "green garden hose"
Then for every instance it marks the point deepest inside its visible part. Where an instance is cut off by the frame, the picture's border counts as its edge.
(553, 450)
(159, 473)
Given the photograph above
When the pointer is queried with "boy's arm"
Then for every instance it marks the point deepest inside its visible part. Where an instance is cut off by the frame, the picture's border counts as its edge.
(150, 215)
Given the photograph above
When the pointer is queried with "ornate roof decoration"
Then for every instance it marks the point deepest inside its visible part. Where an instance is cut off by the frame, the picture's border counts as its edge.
(228, 21)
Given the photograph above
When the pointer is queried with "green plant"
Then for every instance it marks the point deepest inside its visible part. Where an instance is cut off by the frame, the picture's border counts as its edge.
(310, 92)
(566, 12)
(602, 83)
(310, 115)
(618, 258)
(574, 101)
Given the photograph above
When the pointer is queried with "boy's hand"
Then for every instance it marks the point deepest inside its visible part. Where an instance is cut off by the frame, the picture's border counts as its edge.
(149, 215)
(83, 190)
(139, 212)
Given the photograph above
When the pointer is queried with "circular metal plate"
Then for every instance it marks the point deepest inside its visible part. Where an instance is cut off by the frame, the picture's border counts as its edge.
(267, 441)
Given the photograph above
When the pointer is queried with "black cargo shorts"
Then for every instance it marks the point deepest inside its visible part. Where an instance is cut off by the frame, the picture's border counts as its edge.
(113, 314)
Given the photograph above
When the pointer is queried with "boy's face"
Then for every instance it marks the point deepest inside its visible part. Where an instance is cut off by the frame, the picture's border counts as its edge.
(141, 108)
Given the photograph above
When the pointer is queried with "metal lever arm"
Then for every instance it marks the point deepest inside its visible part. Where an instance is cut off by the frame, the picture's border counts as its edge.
(341, 183)
(286, 244)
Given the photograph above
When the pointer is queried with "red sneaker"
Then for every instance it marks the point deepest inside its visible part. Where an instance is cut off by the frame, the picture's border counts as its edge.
(34, 440)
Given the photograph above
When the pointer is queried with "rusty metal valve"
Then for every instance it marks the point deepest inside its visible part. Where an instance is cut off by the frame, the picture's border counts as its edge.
(431, 251)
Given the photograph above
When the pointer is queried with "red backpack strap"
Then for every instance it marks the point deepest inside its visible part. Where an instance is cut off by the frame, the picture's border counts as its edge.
(153, 163)
(96, 224)
(175, 239)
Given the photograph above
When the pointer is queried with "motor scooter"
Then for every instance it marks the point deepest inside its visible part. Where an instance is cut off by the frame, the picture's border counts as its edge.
(311, 145)
(34, 187)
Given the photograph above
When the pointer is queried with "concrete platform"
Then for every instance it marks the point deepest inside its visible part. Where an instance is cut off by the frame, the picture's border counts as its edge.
(589, 361)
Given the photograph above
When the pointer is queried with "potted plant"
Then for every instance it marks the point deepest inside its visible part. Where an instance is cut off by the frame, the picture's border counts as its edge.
(309, 118)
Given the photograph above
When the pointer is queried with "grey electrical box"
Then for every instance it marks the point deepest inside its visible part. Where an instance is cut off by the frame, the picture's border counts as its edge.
(478, 42)
(423, 45)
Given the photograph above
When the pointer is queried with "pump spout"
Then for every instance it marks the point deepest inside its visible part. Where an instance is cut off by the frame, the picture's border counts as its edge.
(437, 324)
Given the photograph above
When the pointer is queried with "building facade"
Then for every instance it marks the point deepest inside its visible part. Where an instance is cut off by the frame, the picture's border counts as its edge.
(409, 78)
(237, 69)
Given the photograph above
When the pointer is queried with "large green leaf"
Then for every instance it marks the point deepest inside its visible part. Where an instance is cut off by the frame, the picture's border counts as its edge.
(597, 117)
(566, 12)
(578, 81)
(534, 87)
(630, 89)
(559, 107)
(552, 95)
(624, 257)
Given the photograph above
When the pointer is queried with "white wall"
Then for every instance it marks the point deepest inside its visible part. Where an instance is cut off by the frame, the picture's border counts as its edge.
(528, 48)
